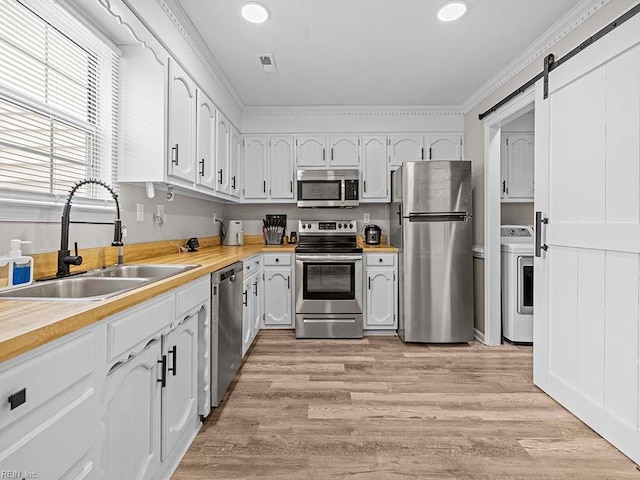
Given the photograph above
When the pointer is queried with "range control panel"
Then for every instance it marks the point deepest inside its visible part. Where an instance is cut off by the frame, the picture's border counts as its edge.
(337, 226)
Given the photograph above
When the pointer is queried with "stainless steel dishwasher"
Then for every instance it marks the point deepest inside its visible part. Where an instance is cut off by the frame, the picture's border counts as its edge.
(226, 328)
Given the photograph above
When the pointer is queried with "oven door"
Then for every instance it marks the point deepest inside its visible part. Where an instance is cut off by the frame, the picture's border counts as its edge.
(525, 285)
(328, 283)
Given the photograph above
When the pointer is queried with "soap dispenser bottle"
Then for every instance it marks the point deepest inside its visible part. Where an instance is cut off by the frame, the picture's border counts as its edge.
(20, 266)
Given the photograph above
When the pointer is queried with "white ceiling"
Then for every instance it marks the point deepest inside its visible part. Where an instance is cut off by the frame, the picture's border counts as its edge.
(368, 52)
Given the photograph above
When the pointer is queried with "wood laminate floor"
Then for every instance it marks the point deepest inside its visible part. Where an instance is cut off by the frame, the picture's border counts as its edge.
(379, 409)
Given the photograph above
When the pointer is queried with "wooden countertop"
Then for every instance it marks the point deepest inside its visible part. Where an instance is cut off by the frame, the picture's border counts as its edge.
(28, 324)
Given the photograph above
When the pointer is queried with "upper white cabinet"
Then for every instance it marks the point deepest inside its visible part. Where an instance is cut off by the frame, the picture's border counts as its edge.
(255, 161)
(375, 177)
(405, 148)
(206, 142)
(443, 146)
(236, 155)
(311, 151)
(269, 168)
(344, 151)
(181, 124)
(223, 154)
(281, 167)
(517, 164)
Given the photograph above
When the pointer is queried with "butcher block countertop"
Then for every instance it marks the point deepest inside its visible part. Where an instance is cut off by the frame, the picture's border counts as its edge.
(28, 324)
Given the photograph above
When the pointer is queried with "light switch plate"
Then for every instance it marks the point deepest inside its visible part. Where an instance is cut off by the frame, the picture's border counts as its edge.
(140, 212)
(367, 218)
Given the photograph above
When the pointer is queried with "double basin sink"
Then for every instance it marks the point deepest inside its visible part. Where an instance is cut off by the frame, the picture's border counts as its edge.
(96, 284)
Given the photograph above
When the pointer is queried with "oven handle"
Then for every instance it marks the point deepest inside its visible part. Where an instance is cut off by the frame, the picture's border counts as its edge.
(329, 258)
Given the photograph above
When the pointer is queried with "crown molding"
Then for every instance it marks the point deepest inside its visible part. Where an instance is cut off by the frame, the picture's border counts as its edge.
(353, 110)
(187, 29)
(563, 27)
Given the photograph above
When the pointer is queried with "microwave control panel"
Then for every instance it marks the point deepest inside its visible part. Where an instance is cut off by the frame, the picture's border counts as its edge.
(351, 189)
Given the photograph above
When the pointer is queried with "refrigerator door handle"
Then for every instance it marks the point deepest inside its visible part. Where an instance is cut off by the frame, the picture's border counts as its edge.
(439, 217)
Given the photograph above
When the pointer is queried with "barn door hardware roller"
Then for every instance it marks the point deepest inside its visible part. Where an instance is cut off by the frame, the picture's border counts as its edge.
(539, 222)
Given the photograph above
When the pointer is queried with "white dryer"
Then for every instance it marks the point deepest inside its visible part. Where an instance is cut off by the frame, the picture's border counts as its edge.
(517, 282)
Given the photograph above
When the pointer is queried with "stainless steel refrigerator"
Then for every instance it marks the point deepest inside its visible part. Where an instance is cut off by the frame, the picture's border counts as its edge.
(431, 225)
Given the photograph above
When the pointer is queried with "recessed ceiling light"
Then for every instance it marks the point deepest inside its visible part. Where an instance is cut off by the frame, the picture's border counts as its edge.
(452, 11)
(255, 12)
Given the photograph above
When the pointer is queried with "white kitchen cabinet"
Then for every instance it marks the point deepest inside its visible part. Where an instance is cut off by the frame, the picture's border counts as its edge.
(206, 143)
(132, 416)
(344, 151)
(278, 290)
(375, 185)
(255, 163)
(257, 308)
(381, 292)
(181, 124)
(443, 146)
(281, 167)
(253, 301)
(311, 151)
(223, 154)
(180, 402)
(48, 410)
(517, 167)
(405, 148)
(235, 167)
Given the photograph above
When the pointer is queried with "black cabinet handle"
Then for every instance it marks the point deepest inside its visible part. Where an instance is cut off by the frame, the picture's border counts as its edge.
(245, 302)
(323, 154)
(220, 176)
(291, 186)
(255, 291)
(277, 260)
(422, 154)
(430, 153)
(18, 398)
(380, 260)
(288, 282)
(163, 372)
(202, 167)
(365, 185)
(331, 153)
(233, 182)
(174, 154)
(174, 352)
(369, 283)
(264, 186)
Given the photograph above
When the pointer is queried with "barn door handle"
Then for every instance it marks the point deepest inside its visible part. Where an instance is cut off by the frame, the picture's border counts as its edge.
(539, 222)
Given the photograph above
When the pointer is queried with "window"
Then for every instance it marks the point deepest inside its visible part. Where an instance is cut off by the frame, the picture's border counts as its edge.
(58, 103)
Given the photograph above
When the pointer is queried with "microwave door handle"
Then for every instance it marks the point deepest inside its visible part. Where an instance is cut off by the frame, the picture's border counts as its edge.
(343, 188)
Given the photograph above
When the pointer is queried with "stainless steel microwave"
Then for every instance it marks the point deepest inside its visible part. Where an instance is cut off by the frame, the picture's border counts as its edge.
(328, 188)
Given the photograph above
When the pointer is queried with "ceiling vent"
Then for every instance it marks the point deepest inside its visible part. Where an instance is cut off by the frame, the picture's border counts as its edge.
(268, 63)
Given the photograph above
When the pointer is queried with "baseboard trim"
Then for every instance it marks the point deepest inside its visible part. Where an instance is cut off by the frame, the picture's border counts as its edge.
(479, 336)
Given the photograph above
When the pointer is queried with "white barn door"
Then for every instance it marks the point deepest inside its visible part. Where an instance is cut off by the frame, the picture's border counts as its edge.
(586, 318)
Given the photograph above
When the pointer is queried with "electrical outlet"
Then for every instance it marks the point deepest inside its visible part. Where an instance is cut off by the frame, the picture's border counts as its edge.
(215, 218)
(140, 212)
(124, 231)
(367, 218)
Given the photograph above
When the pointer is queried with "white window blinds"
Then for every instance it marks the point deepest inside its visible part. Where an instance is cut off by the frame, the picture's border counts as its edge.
(58, 102)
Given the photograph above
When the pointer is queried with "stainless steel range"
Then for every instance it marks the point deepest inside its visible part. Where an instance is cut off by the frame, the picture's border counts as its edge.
(328, 280)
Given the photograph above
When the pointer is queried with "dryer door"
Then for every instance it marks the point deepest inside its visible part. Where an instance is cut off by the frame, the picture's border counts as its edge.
(525, 285)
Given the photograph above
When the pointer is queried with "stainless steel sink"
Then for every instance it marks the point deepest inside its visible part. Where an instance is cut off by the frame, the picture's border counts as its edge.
(140, 271)
(96, 284)
(74, 288)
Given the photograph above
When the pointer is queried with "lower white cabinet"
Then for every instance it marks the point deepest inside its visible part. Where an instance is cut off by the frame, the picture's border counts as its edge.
(278, 291)
(381, 289)
(257, 299)
(247, 306)
(131, 402)
(252, 301)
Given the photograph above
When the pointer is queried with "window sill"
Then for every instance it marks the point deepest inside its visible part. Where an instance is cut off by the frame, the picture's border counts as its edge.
(16, 209)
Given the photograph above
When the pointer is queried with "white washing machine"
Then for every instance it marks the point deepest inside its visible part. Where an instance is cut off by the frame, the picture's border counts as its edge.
(517, 282)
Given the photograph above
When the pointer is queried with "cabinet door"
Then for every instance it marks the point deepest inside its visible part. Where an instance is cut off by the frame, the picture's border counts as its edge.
(236, 150)
(278, 283)
(405, 148)
(257, 308)
(519, 166)
(247, 313)
(255, 167)
(444, 147)
(206, 142)
(344, 151)
(375, 169)
(132, 417)
(181, 130)
(311, 151)
(381, 295)
(281, 173)
(181, 393)
(223, 154)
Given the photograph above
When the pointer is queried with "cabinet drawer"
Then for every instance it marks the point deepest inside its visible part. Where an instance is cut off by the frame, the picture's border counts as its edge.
(56, 445)
(192, 295)
(252, 264)
(380, 259)
(138, 325)
(273, 259)
(44, 376)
